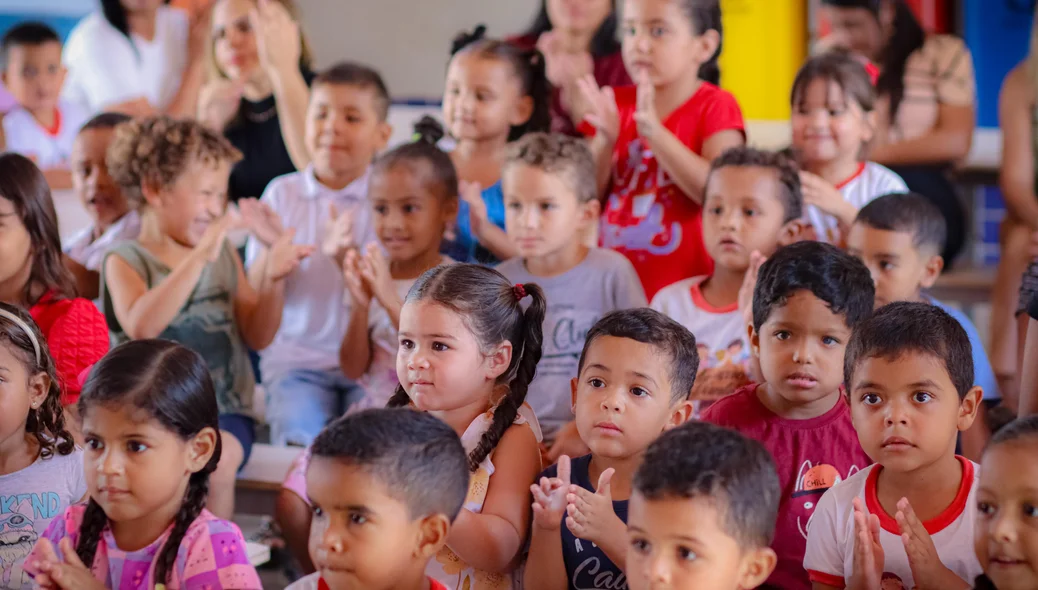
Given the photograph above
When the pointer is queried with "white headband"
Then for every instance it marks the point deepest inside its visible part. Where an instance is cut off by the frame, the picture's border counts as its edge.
(25, 328)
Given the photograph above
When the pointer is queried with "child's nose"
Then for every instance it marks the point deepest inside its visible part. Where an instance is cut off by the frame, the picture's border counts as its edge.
(110, 464)
(659, 570)
(1003, 528)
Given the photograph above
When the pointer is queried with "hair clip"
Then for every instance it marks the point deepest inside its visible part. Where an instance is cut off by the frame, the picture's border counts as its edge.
(519, 291)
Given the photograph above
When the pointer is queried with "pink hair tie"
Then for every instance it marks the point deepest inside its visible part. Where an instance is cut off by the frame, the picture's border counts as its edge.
(519, 291)
(873, 72)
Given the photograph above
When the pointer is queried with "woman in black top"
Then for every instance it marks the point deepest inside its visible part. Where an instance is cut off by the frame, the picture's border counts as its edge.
(259, 89)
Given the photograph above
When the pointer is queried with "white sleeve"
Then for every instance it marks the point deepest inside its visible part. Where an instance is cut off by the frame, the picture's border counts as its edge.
(100, 69)
(890, 182)
(77, 477)
(661, 301)
(824, 557)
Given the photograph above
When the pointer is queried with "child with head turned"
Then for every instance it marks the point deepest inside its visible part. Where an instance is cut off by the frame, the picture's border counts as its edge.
(752, 207)
(908, 520)
(808, 299)
(702, 512)
(634, 378)
(408, 477)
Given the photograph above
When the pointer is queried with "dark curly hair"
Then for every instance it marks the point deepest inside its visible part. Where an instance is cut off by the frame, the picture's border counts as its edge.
(558, 154)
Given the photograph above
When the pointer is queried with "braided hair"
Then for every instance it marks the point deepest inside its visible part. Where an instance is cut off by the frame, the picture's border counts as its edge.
(491, 308)
(172, 385)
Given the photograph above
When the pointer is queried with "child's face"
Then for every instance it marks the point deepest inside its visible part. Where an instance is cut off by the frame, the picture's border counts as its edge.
(362, 537)
(578, 16)
(34, 75)
(828, 125)
(101, 197)
(15, 247)
(899, 270)
(19, 391)
(743, 212)
(409, 219)
(234, 41)
(1006, 534)
(542, 214)
(483, 98)
(659, 42)
(681, 544)
(136, 469)
(196, 199)
(343, 130)
(623, 398)
(801, 348)
(439, 362)
(906, 410)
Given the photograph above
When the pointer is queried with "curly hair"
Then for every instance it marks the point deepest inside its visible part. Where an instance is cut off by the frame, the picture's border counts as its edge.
(555, 153)
(155, 151)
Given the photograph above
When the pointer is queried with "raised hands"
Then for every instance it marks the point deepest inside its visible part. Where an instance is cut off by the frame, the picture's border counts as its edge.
(218, 102)
(367, 276)
(927, 570)
(601, 105)
(284, 256)
(645, 114)
(590, 515)
(70, 575)
(213, 239)
(278, 40)
(262, 222)
(472, 194)
(549, 497)
(867, 573)
(338, 235)
(200, 28)
(749, 283)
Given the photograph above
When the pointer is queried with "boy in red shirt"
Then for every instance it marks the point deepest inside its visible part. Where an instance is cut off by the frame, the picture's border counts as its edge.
(808, 298)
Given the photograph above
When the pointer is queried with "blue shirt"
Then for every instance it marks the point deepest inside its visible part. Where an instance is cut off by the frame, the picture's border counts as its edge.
(464, 247)
(983, 374)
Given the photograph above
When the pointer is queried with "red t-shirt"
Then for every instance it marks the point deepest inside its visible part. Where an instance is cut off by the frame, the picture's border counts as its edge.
(811, 456)
(647, 217)
(76, 335)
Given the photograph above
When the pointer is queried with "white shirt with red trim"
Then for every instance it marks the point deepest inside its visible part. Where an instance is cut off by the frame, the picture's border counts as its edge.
(830, 533)
(49, 148)
(721, 339)
(870, 182)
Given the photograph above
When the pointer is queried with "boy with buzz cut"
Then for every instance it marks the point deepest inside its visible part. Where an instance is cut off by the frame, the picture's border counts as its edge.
(408, 477)
(752, 204)
(550, 204)
(703, 512)
(808, 299)
(907, 521)
(42, 127)
(636, 372)
(900, 238)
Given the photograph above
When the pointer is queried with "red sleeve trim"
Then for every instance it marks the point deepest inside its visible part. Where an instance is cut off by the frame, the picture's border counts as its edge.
(827, 579)
(932, 526)
(857, 173)
(586, 129)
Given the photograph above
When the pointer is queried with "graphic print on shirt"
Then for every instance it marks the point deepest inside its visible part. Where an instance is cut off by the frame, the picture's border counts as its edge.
(812, 482)
(722, 371)
(591, 573)
(891, 582)
(643, 227)
(18, 532)
(565, 328)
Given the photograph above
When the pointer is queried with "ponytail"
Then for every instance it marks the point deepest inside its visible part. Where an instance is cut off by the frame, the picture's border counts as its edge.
(94, 521)
(706, 16)
(190, 508)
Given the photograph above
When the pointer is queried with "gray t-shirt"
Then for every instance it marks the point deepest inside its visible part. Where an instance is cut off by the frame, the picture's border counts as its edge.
(605, 281)
(29, 500)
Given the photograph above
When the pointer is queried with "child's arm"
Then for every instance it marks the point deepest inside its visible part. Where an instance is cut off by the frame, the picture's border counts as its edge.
(820, 193)
(927, 569)
(490, 236)
(604, 115)
(545, 567)
(258, 306)
(590, 516)
(88, 282)
(355, 350)
(492, 539)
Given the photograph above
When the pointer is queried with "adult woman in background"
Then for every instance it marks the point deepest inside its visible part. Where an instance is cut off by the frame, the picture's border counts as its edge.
(577, 38)
(258, 89)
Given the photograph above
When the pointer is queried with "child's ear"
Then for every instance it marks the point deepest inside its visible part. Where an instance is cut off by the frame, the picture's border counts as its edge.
(432, 535)
(590, 211)
(679, 414)
(151, 193)
(385, 131)
(968, 408)
(757, 565)
(708, 44)
(871, 123)
(201, 449)
(754, 339)
(39, 387)
(523, 111)
(499, 360)
(573, 394)
(791, 233)
(932, 271)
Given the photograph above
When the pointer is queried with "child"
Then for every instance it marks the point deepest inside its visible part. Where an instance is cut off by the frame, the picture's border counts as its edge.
(32, 275)
(659, 137)
(909, 375)
(550, 202)
(1004, 538)
(41, 127)
(408, 477)
(808, 298)
(495, 93)
(635, 375)
(114, 220)
(180, 280)
(753, 204)
(153, 441)
(833, 120)
(900, 239)
(708, 496)
(42, 471)
(467, 355)
(324, 204)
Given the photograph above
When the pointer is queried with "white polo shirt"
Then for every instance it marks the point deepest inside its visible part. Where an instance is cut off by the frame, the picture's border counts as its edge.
(316, 313)
(870, 182)
(48, 148)
(84, 249)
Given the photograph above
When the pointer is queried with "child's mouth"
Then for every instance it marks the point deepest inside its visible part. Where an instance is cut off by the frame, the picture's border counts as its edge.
(801, 381)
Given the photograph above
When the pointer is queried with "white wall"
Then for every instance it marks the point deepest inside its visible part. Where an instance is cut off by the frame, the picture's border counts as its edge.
(408, 41)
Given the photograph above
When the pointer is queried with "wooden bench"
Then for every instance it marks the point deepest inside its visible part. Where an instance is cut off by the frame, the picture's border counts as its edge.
(966, 286)
(260, 479)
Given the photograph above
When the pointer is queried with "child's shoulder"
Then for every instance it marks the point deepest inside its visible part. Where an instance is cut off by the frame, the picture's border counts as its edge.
(293, 184)
(740, 407)
(679, 292)
(207, 526)
(883, 180)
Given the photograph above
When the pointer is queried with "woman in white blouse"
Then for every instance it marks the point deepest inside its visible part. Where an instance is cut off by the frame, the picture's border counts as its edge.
(136, 56)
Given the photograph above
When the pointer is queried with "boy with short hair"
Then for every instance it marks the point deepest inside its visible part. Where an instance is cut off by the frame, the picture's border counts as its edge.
(408, 477)
(42, 127)
(808, 298)
(550, 202)
(709, 493)
(906, 521)
(636, 372)
(325, 204)
(900, 238)
(752, 204)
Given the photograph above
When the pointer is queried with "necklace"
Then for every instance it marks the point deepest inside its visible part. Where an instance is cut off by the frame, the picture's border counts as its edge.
(262, 116)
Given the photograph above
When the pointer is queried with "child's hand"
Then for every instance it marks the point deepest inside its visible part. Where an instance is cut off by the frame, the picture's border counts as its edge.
(71, 575)
(472, 194)
(645, 112)
(591, 515)
(749, 283)
(927, 569)
(360, 293)
(278, 40)
(820, 193)
(261, 221)
(338, 235)
(549, 498)
(567, 442)
(601, 104)
(868, 552)
(212, 240)
(374, 269)
(284, 256)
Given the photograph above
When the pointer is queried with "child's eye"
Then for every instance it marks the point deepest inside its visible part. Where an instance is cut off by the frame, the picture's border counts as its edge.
(381, 209)
(318, 511)
(440, 347)
(921, 397)
(354, 119)
(406, 344)
(629, 31)
(783, 335)
(453, 91)
(136, 447)
(686, 554)
(749, 212)
(829, 341)
(715, 211)
(870, 399)
(886, 266)
(985, 508)
(514, 206)
(640, 545)
(358, 519)
(409, 209)
(596, 383)
(639, 392)
(657, 31)
(547, 206)
(94, 444)
(1030, 510)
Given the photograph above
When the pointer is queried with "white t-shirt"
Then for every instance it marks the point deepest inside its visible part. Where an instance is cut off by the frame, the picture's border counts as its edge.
(49, 148)
(870, 182)
(84, 249)
(721, 338)
(830, 532)
(105, 67)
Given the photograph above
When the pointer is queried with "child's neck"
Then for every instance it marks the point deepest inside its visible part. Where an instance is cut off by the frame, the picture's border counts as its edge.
(340, 180)
(480, 160)
(672, 95)
(623, 475)
(158, 242)
(101, 228)
(721, 289)
(461, 418)
(835, 172)
(47, 118)
(412, 269)
(783, 408)
(12, 291)
(930, 489)
(559, 262)
(142, 23)
(18, 452)
(138, 533)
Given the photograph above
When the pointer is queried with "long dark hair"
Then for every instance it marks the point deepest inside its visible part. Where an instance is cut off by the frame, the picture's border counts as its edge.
(115, 13)
(602, 44)
(528, 65)
(706, 16)
(172, 385)
(22, 183)
(491, 308)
